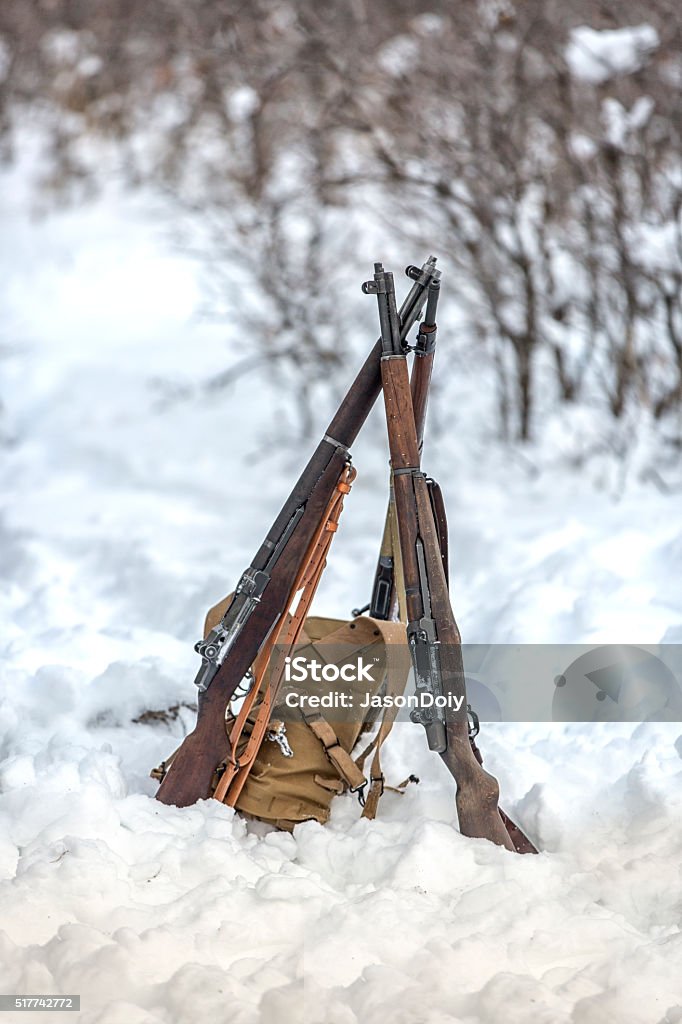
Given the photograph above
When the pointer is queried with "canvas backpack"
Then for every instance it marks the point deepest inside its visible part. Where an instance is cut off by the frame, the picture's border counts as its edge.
(307, 757)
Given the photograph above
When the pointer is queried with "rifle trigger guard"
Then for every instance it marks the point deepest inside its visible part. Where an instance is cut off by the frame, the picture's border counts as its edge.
(474, 722)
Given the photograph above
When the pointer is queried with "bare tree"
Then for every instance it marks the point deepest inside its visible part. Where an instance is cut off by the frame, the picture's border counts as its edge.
(554, 191)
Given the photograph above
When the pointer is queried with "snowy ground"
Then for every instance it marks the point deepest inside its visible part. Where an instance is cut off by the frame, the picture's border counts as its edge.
(131, 502)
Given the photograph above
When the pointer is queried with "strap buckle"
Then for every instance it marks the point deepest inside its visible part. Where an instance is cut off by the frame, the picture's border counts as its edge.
(277, 734)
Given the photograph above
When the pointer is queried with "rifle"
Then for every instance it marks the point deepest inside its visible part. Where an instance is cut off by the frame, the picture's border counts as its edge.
(433, 635)
(262, 594)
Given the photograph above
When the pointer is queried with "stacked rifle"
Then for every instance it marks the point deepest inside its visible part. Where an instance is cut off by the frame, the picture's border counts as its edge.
(258, 615)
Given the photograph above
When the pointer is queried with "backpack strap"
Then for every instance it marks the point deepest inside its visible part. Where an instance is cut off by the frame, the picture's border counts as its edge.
(394, 636)
(351, 770)
(340, 758)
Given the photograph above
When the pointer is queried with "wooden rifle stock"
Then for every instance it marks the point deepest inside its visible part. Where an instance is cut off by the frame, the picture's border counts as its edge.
(520, 840)
(477, 791)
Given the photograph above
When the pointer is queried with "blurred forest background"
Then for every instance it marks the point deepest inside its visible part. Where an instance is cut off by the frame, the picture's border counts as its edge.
(536, 145)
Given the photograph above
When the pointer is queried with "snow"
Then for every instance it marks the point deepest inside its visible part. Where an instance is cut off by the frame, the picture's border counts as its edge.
(398, 55)
(130, 504)
(242, 103)
(595, 55)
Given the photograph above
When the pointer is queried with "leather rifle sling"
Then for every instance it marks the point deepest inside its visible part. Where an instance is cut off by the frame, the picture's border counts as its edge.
(286, 640)
(285, 634)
